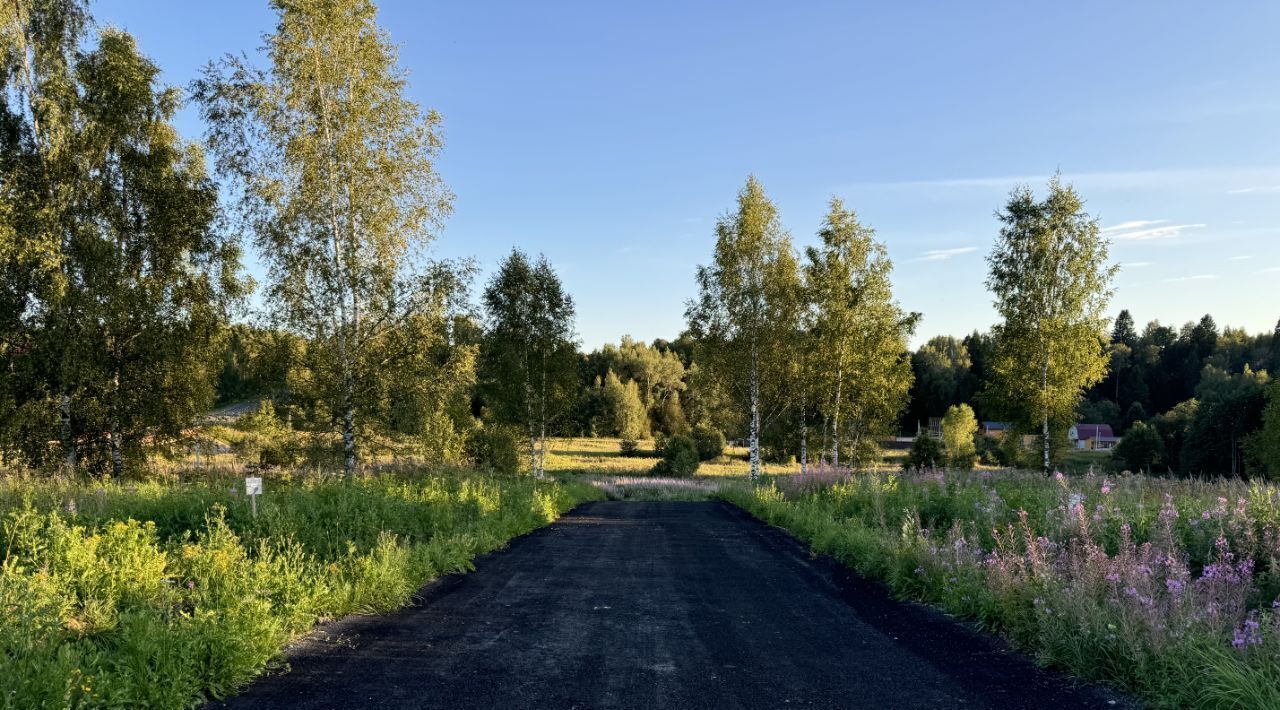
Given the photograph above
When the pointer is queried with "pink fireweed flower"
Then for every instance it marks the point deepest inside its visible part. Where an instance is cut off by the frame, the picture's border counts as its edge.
(1106, 486)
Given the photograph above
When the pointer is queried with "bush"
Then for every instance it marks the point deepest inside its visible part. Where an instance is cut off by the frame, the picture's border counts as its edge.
(494, 448)
(1141, 449)
(629, 447)
(709, 442)
(990, 452)
(925, 452)
(959, 427)
(679, 457)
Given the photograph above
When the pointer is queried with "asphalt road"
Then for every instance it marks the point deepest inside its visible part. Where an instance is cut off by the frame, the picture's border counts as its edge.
(660, 605)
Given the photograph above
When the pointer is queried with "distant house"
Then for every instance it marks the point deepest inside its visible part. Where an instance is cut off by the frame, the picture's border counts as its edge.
(995, 430)
(1092, 437)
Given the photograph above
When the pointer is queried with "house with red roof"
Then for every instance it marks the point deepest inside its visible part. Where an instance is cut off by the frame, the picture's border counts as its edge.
(1092, 437)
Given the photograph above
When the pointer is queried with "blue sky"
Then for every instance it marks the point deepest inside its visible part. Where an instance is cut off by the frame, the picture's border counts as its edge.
(610, 136)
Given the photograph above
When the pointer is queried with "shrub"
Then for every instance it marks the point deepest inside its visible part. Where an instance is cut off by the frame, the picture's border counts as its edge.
(679, 457)
(494, 448)
(925, 452)
(959, 426)
(710, 442)
(629, 447)
(1141, 449)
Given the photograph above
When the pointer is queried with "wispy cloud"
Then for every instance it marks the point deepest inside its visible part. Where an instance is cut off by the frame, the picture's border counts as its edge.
(1255, 188)
(1197, 277)
(1242, 257)
(1131, 224)
(1256, 179)
(1147, 229)
(945, 254)
(1269, 270)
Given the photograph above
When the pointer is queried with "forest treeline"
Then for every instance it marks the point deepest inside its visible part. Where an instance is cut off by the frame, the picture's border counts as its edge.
(125, 311)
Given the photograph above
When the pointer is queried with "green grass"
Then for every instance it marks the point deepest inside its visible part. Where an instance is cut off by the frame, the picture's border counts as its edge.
(1162, 587)
(161, 594)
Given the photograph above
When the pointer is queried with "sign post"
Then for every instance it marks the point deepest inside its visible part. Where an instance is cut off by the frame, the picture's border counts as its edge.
(253, 489)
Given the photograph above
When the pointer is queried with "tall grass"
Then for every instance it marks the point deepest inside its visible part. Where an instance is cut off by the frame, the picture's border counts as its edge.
(1165, 588)
(158, 595)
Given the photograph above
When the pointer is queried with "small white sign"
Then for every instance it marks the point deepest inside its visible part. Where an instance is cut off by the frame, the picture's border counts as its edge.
(253, 485)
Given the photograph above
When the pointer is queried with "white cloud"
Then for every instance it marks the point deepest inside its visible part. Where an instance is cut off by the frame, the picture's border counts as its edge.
(1197, 277)
(1163, 231)
(1131, 224)
(1269, 270)
(1256, 188)
(1207, 178)
(1242, 257)
(945, 254)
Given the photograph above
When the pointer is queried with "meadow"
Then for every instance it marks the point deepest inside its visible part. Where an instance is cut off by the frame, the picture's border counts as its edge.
(1163, 587)
(159, 594)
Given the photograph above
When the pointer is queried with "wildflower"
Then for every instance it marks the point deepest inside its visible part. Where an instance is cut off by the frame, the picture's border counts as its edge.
(1106, 487)
(1059, 477)
(1113, 577)
(919, 570)
(1174, 586)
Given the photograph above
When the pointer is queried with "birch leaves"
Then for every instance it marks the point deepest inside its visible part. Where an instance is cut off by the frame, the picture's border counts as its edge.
(824, 342)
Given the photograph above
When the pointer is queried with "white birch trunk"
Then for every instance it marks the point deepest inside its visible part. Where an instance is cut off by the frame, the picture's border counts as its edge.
(67, 440)
(755, 415)
(117, 456)
(1044, 392)
(835, 416)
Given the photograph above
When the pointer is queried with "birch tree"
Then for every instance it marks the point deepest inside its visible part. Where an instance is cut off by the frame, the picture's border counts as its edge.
(39, 42)
(335, 168)
(528, 360)
(739, 317)
(1051, 279)
(860, 335)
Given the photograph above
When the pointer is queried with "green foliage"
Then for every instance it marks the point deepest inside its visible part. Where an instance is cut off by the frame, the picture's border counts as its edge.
(624, 412)
(709, 442)
(998, 549)
(861, 333)
(1051, 281)
(1230, 409)
(629, 447)
(925, 453)
(1263, 446)
(1141, 449)
(103, 610)
(959, 427)
(496, 448)
(679, 457)
(741, 316)
(268, 441)
(334, 168)
(527, 370)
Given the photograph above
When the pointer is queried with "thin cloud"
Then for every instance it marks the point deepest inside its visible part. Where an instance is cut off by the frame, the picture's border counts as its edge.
(1164, 231)
(1256, 188)
(945, 254)
(1242, 258)
(1269, 270)
(1219, 178)
(1197, 277)
(1131, 224)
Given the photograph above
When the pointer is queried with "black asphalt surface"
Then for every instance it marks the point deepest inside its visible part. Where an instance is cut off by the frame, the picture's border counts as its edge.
(660, 605)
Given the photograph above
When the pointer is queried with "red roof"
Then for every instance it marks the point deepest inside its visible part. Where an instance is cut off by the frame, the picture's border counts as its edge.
(1090, 431)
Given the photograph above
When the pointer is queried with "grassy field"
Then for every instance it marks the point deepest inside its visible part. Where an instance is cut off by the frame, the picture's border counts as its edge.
(603, 456)
(1164, 587)
(159, 594)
